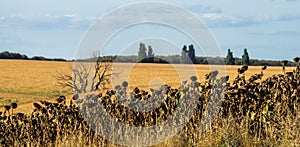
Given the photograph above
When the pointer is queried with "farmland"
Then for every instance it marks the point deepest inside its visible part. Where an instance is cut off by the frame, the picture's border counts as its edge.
(260, 111)
(25, 81)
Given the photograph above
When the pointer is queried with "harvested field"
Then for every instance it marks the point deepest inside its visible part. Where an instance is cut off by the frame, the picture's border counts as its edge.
(256, 110)
(25, 81)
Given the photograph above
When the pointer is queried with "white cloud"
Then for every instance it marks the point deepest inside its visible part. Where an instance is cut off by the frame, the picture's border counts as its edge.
(46, 21)
(278, 33)
(212, 16)
(215, 17)
(200, 9)
(222, 20)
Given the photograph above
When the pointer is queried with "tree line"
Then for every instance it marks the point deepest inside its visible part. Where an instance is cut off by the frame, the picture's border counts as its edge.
(188, 57)
(176, 59)
(230, 60)
(18, 56)
(146, 54)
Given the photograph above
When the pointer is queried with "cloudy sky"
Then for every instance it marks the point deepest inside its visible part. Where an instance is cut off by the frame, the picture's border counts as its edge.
(269, 29)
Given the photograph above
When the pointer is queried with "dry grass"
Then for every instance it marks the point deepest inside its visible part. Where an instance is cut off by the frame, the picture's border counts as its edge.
(25, 81)
(232, 129)
(173, 74)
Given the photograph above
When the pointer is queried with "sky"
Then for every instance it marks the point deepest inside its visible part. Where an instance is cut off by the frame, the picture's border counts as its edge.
(269, 29)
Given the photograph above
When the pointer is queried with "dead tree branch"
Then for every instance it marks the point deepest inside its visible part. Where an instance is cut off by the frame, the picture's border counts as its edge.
(88, 76)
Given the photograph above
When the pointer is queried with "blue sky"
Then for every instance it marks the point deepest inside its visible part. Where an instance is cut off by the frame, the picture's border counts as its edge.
(268, 28)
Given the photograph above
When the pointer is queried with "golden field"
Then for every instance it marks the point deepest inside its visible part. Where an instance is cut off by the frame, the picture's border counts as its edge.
(263, 114)
(25, 82)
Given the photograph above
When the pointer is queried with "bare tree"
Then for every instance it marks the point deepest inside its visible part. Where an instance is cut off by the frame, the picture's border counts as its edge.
(77, 81)
(88, 75)
(102, 74)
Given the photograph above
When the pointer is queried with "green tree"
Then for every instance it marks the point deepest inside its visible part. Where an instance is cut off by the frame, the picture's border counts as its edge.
(184, 55)
(191, 54)
(245, 58)
(9, 55)
(142, 54)
(229, 58)
(150, 54)
(188, 56)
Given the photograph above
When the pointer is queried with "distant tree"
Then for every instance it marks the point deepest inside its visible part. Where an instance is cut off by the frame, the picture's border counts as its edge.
(184, 55)
(174, 59)
(4, 55)
(57, 59)
(201, 60)
(9, 55)
(142, 54)
(39, 58)
(188, 56)
(150, 54)
(191, 53)
(229, 58)
(24, 57)
(245, 58)
(238, 61)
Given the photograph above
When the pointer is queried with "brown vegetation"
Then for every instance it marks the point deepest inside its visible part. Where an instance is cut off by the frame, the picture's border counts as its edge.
(258, 110)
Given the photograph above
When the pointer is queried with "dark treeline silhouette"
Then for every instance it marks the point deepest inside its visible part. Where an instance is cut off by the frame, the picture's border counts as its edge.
(10, 55)
(171, 59)
(176, 59)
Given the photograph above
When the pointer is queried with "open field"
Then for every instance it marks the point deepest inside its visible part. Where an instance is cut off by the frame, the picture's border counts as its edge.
(26, 81)
(30, 81)
(141, 75)
(257, 112)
